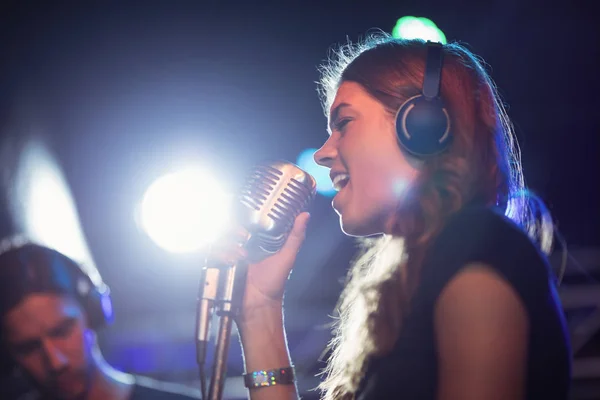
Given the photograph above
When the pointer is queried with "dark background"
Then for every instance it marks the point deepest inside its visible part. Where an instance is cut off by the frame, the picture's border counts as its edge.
(120, 93)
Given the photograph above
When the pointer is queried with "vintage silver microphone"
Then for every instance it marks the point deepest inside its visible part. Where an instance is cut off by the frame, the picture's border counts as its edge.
(273, 195)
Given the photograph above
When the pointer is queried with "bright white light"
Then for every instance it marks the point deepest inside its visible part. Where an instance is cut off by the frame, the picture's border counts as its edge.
(45, 209)
(185, 211)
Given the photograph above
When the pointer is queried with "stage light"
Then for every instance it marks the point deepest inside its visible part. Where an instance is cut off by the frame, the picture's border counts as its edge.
(44, 208)
(184, 211)
(410, 27)
(306, 161)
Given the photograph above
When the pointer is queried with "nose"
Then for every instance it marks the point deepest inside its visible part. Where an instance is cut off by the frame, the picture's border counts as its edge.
(326, 154)
(55, 358)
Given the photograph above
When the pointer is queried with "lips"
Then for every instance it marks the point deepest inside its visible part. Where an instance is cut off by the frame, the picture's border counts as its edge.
(339, 180)
(68, 382)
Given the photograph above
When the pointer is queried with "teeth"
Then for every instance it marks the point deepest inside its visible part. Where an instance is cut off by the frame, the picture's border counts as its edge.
(340, 180)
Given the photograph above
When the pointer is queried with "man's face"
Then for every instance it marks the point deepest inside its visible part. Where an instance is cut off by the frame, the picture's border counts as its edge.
(46, 334)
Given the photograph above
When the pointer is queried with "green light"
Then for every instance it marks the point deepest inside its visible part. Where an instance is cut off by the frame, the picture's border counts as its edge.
(410, 27)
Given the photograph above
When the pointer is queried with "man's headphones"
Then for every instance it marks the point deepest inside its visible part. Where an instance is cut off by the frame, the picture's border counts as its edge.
(422, 122)
(59, 273)
(38, 269)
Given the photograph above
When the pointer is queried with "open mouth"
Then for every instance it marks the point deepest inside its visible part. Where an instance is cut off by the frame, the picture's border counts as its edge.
(340, 181)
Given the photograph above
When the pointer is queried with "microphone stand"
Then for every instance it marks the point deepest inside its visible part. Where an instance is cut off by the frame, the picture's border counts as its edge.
(217, 379)
(274, 193)
(228, 307)
(231, 292)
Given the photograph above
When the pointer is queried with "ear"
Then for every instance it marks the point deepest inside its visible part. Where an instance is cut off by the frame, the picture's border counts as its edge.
(90, 337)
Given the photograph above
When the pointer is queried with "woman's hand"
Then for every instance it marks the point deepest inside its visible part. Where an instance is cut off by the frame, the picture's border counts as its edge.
(266, 279)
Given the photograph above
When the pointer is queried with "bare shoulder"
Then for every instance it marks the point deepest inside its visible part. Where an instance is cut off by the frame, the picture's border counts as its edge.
(479, 287)
(481, 328)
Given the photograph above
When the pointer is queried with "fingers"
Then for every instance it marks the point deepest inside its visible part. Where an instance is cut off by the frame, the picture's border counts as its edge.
(300, 224)
(298, 233)
(229, 250)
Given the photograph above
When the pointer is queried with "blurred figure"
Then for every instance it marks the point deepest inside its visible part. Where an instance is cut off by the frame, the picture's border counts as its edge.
(49, 313)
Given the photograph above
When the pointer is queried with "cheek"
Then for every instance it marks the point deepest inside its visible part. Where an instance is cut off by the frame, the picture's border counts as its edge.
(384, 192)
(386, 184)
(33, 365)
(89, 342)
(81, 345)
(77, 347)
(372, 194)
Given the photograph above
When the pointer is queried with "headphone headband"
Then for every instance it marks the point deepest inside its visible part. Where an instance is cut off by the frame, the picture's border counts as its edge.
(433, 70)
(33, 268)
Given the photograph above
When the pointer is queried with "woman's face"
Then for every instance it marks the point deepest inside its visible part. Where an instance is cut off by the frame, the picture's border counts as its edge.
(370, 172)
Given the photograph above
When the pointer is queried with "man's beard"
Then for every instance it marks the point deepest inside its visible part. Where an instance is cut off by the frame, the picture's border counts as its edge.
(33, 390)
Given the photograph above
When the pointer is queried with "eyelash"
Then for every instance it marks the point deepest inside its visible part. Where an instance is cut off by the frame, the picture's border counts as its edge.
(341, 124)
(65, 328)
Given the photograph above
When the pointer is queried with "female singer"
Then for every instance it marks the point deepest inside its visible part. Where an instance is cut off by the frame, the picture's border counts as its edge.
(453, 299)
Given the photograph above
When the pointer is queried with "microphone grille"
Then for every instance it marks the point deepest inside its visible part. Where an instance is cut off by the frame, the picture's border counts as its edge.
(294, 198)
(258, 187)
(271, 199)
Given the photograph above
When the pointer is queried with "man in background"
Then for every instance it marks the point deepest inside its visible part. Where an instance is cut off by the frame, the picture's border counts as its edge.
(50, 311)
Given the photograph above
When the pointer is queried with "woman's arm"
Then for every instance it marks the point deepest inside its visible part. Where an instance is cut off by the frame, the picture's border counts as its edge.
(260, 321)
(264, 347)
(482, 335)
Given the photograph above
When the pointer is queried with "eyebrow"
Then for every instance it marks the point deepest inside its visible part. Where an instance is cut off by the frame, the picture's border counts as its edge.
(64, 324)
(335, 112)
(56, 330)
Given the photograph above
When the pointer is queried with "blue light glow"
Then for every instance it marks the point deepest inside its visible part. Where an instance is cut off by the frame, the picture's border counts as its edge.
(307, 162)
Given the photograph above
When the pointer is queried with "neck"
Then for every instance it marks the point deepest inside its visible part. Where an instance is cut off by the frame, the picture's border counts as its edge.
(107, 382)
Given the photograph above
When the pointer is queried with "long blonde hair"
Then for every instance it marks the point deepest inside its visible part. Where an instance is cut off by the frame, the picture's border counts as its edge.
(482, 166)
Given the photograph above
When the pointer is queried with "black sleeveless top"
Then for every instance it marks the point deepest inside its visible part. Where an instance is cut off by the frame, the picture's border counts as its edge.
(477, 235)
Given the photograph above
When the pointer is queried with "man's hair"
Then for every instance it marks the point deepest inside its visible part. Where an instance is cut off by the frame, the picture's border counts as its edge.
(27, 268)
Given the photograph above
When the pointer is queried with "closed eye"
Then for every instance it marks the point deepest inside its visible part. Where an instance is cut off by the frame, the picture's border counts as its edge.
(341, 124)
(64, 328)
(27, 347)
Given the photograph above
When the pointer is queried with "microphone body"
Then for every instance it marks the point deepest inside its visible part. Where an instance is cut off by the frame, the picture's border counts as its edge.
(273, 195)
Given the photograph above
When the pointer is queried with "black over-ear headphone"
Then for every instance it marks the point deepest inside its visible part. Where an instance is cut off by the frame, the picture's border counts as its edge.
(94, 298)
(422, 122)
(63, 273)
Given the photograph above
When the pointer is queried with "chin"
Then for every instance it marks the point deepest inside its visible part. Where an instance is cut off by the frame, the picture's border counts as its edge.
(75, 389)
(358, 229)
(72, 393)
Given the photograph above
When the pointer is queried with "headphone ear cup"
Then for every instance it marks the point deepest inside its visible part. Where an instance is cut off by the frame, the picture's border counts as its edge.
(94, 299)
(423, 126)
(98, 307)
